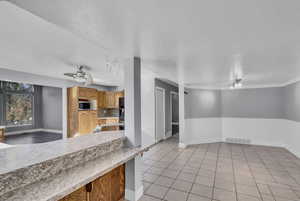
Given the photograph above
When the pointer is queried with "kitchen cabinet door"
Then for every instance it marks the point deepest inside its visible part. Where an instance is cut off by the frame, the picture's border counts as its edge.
(79, 195)
(109, 99)
(101, 99)
(84, 124)
(91, 94)
(87, 93)
(101, 188)
(93, 120)
(1, 133)
(118, 183)
(82, 93)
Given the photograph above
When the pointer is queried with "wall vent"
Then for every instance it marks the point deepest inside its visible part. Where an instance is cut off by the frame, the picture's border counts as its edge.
(238, 140)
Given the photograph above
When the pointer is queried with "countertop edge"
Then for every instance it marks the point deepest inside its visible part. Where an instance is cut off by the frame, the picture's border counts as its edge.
(66, 182)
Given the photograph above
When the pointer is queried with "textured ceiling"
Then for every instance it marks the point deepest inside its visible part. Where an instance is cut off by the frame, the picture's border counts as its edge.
(209, 40)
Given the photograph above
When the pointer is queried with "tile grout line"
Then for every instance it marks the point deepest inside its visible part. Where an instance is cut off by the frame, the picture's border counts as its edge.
(206, 150)
(234, 176)
(214, 184)
(261, 197)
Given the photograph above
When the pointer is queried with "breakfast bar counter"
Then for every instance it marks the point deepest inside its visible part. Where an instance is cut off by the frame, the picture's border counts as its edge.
(50, 171)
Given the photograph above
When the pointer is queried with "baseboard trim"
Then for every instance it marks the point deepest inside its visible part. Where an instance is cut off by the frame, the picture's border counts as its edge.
(181, 145)
(52, 130)
(131, 195)
(32, 131)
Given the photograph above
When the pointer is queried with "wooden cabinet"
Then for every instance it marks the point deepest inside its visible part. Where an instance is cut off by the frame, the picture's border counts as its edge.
(101, 188)
(81, 122)
(109, 99)
(93, 120)
(118, 183)
(78, 195)
(87, 121)
(87, 93)
(109, 187)
(101, 99)
(2, 134)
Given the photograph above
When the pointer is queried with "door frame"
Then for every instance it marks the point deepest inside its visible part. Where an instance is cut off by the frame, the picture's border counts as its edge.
(171, 107)
(164, 112)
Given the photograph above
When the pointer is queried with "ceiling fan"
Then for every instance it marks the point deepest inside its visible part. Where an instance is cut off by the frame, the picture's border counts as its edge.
(233, 83)
(237, 83)
(81, 75)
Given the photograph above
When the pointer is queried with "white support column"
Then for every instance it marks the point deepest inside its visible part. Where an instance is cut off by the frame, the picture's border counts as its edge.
(132, 85)
(133, 132)
(182, 134)
(182, 140)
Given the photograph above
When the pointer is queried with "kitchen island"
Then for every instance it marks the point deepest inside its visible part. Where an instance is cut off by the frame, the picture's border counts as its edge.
(51, 171)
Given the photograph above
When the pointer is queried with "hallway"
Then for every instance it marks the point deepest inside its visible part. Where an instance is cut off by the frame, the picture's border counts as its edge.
(220, 171)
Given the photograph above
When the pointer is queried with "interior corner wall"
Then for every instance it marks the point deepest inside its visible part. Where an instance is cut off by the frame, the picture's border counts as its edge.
(203, 122)
(292, 116)
(255, 115)
(265, 116)
(168, 118)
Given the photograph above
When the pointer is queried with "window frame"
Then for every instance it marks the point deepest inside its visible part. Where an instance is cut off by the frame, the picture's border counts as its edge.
(4, 93)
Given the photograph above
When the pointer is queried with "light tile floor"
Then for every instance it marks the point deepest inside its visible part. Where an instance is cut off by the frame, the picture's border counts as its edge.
(220, 172)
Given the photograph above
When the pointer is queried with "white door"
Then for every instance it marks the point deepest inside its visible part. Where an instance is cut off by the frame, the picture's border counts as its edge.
(159, 114)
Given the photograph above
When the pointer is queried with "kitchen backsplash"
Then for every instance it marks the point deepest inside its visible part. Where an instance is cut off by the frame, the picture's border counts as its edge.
(108, 112)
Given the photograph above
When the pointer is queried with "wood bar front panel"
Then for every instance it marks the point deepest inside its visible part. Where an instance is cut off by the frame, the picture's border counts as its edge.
(109, 187)
(79, 195)
(101, 190)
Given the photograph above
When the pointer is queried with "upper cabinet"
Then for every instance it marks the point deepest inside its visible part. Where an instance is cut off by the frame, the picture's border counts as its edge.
(109, 99)
(101, 99)
(87, 93)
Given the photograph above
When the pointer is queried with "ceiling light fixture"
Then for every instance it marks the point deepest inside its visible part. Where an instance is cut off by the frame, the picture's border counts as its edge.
(81, 76)
(237, 83)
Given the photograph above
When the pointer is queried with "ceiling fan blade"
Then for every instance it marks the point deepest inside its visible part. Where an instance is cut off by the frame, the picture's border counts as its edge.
(69, 74)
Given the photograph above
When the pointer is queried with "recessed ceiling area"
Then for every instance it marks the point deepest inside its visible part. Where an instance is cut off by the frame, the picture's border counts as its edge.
(209, 41)
(31, 44)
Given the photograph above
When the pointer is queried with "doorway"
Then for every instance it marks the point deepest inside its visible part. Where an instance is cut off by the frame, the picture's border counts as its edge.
(174, 103)
(159, 114)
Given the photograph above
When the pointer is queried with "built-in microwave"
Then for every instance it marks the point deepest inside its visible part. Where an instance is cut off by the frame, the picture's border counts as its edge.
(84, 105)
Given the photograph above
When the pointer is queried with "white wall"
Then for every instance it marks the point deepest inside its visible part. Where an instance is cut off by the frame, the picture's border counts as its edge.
(271, 132)
(293, 139)
(268, 132)
(148, 106)
(203, 130)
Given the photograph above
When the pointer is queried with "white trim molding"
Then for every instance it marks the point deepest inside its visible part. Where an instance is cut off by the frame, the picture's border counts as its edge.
(256, 86)
(131, 195)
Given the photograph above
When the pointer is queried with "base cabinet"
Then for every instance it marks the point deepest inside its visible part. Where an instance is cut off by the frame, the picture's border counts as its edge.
(1, 134)
(80, 194)
(109, 187)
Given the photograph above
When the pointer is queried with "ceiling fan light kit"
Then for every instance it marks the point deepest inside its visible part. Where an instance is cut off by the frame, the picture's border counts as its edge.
(81, 76)
(237, 83)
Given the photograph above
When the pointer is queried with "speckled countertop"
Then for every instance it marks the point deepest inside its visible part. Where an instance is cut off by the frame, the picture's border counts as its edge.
(52, 170)
(25, 155)
(62, 184)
